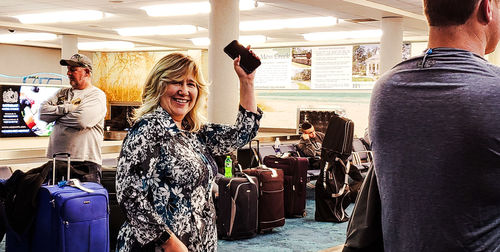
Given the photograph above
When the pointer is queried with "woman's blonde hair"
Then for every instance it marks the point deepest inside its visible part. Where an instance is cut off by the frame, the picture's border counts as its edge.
(173, 68)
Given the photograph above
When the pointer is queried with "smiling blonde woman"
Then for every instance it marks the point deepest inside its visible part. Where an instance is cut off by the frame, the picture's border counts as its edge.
(165, 169)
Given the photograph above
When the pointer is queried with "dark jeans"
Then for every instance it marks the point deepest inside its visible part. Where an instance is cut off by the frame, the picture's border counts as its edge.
(84, 171)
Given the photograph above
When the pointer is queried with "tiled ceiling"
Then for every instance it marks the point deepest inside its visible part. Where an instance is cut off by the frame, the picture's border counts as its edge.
(127, 13)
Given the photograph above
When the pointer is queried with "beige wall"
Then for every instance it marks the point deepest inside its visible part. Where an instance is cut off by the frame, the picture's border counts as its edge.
(23, 60)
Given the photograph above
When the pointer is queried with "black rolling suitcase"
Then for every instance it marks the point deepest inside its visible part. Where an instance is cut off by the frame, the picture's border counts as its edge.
(295, 170)
(116, 215)
(237, 207)
(331, 192)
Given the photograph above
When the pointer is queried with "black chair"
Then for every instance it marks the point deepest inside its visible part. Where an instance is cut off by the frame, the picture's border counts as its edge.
(361, 157)
(266, 150)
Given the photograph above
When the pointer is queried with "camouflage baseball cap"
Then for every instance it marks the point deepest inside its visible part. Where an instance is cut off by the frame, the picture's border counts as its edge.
(77, 60)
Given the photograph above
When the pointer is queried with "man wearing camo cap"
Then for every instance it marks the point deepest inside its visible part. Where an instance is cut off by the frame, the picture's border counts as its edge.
(78, 113)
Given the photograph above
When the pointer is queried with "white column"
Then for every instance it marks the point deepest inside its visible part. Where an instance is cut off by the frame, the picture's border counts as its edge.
(68, 48)
(391, 43)
(223, 28)
(494, 57)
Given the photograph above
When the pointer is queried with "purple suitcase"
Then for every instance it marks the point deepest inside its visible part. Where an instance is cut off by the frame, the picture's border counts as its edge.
(295, 170)
(69, 219)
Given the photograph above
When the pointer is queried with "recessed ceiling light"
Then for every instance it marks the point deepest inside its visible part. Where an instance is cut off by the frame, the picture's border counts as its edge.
(250, 4)
(252, 39)
(177, 9)
(116, 45)
(192, 8)
(204, 41)
(247, 40)
(323, 36)
(60, 16)
(27, 36)
(278, 24)
(157, 30)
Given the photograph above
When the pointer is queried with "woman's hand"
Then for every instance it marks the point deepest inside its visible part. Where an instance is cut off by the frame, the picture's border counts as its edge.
(247, 96)
(242, 75)
(174, 245)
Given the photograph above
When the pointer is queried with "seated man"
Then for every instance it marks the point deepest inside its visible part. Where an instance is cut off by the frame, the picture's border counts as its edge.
(310, 141)
(310, 144)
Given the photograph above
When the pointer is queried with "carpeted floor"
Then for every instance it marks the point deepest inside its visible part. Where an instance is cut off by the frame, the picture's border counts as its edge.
(298, 234)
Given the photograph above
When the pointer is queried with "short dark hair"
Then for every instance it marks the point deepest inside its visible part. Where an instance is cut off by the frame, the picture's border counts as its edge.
(305, 126)
(449, 12)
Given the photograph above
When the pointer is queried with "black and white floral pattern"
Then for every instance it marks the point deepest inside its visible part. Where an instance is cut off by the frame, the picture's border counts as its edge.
(164, 178)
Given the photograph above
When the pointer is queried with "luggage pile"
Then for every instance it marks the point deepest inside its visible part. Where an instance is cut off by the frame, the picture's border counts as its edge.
(71, 216)
(257, 200)
(249, 203)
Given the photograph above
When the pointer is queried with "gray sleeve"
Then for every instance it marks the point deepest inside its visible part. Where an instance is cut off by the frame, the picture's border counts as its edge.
(51, 111)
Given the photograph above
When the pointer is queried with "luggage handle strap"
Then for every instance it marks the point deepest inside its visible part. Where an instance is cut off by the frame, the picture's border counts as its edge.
(246, 175)
(75, 183)
(346, 179)
(54, 165)
(274, 173)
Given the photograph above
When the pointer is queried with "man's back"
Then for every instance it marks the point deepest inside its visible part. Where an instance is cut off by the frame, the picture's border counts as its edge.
(435, 132)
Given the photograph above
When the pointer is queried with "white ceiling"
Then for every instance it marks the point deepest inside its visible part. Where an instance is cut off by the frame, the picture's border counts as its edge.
(127, 13)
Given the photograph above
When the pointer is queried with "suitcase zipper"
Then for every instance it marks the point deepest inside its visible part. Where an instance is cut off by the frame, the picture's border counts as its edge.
(231, 222)
(275, 191)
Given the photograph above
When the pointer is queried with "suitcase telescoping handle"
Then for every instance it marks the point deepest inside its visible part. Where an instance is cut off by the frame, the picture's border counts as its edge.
(255, 153)
(54, 165)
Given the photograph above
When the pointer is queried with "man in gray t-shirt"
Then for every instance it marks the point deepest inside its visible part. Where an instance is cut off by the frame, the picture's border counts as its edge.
(78, 113)
(435, 131)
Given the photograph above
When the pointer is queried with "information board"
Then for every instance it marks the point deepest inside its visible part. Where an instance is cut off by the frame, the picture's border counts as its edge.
(19, 115)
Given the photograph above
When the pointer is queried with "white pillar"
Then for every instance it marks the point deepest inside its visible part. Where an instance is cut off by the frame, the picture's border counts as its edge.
(391, 43)
(494, 57)
(68, 48)
(223, 28)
